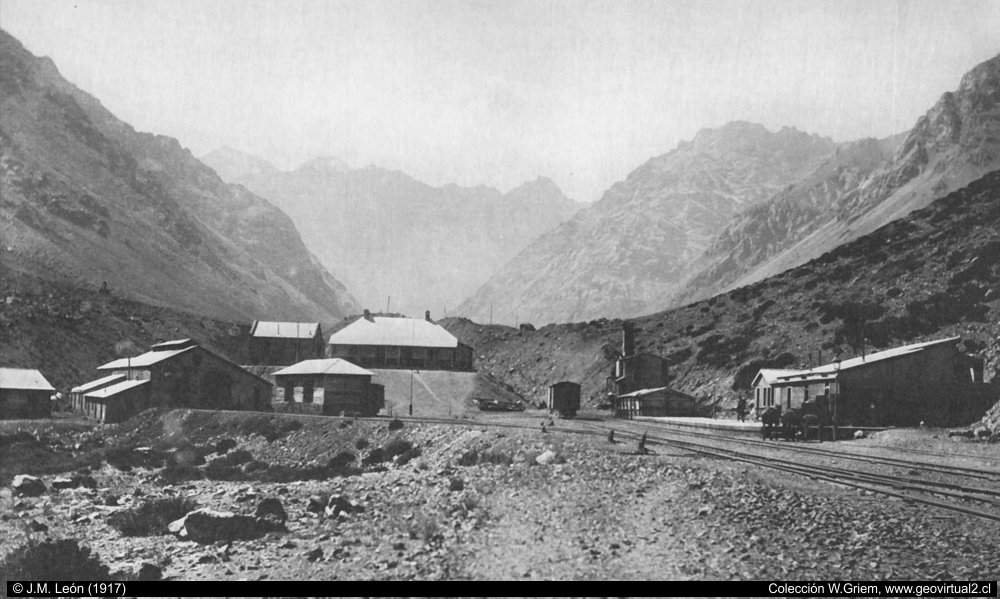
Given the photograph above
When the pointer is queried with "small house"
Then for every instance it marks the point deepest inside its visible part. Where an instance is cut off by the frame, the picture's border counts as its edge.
(76, 394)
(24, 393)
(332, 386)
(117, 402)
(285, 343)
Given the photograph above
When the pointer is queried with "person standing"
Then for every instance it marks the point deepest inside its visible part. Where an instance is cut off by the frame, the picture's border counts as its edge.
(741, 408)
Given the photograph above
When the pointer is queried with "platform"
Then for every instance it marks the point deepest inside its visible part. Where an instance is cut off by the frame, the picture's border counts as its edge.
(735, 426)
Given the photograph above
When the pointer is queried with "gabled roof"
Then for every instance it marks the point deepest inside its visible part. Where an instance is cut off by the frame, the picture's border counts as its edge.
(175, 344)
(406, 332)
(770, 375)
(147, 359)
(284, 330)
(115, 389)
(23, 378)
(561, 383)
(895, 352)
(325, 366)
(101, 382)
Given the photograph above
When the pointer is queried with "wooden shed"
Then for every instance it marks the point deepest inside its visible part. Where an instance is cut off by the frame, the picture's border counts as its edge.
(76, 394)
(24, 393)
(332, 385)
(183, 374)
(564, 398)
(661, 401)
(117, 402)
(931, 382)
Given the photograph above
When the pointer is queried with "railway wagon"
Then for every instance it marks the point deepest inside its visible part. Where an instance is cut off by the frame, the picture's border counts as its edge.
(564, 398)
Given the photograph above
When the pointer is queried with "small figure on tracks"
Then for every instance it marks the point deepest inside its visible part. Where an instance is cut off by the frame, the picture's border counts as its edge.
(642, 444)
(611, 437)
(741, 409)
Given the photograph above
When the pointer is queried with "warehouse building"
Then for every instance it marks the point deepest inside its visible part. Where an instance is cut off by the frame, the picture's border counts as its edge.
(172, 374)
(931, 382)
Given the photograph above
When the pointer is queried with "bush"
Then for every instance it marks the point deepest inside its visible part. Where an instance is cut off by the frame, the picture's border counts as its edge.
(397, 447)
(395, 424)
(361, 443)
(62, 559)
(179, 473)
(151, 517)
(224, 445)
(375, 456)
(342, 464)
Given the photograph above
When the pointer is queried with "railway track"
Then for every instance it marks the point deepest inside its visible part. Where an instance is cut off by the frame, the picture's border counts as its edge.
(831, 450)
(907, 488)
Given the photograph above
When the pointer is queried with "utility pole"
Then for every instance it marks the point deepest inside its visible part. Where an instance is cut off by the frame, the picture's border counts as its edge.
(387, 300)
(413, 341)
(491, 312)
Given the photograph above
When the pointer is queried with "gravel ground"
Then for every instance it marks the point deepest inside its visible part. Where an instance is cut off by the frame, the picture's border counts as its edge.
(475, 504)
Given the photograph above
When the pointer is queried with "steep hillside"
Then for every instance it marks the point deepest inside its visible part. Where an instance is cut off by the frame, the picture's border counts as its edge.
(623, 255)
(861, 188)
(67, 331)
(387, 234)
(86, 199)
(933, 273)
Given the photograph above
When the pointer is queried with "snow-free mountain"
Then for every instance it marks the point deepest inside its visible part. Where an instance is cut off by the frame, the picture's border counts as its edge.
(624, 254)
(740, 203)
(85, 199)
(388, 235)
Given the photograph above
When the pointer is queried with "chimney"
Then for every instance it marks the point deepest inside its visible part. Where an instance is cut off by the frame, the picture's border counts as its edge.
(628, 338)
(368, 316)
(427, 316)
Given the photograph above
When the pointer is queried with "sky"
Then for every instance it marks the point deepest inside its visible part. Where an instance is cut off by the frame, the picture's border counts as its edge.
(499, 92)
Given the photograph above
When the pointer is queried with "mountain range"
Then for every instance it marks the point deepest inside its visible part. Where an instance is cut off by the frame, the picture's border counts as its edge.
(386, 234)
(740, 203)
(931, 274)
(88, 200)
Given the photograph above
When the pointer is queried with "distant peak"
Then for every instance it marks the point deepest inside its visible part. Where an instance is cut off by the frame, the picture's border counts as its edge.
(327, 164)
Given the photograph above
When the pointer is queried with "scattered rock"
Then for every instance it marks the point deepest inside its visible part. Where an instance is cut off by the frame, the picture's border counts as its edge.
(546, 457)
(314, 554)
(317, 503)
(208, 526)
(148, 571)
(338, 504)
(63, 482)
(271, 507)
(26, 485)
(456, 484)
(37, 525)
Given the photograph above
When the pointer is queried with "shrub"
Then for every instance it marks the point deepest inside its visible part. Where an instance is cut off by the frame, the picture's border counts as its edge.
(342, 464)
(178, 473)
(469, 458)
(62, 559)
(151, 517)
(361, 443)
(397, 447)
(375, 456)
(225, 444)
(395, 424)
(408, 455)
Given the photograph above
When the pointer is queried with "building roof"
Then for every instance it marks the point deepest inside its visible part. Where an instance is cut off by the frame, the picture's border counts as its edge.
(564, 383)
(834, 367)
(325, 366)
(770, 375)
(115, 389)
(175, 344)
(147, 359)
(23, 378)
(284, 330)
(406, 332)
(101, 382)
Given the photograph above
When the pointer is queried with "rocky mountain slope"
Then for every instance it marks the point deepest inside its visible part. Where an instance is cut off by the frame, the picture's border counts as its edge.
(86, 199)
(863, 186)
(387, 234)
(931, 274)
(624, 254)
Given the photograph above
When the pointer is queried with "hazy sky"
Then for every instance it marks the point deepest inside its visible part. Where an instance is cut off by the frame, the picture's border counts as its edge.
(498, 92)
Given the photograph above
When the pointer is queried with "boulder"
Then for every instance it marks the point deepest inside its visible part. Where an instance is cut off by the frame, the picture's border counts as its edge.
(208, 526)
(63, 482)
(148, 571)
(317, 503)
(271, 508)
(546, 457)
(338, 504)
(27, 485)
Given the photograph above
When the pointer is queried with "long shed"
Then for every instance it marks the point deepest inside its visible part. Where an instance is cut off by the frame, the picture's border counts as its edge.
(399, 343)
